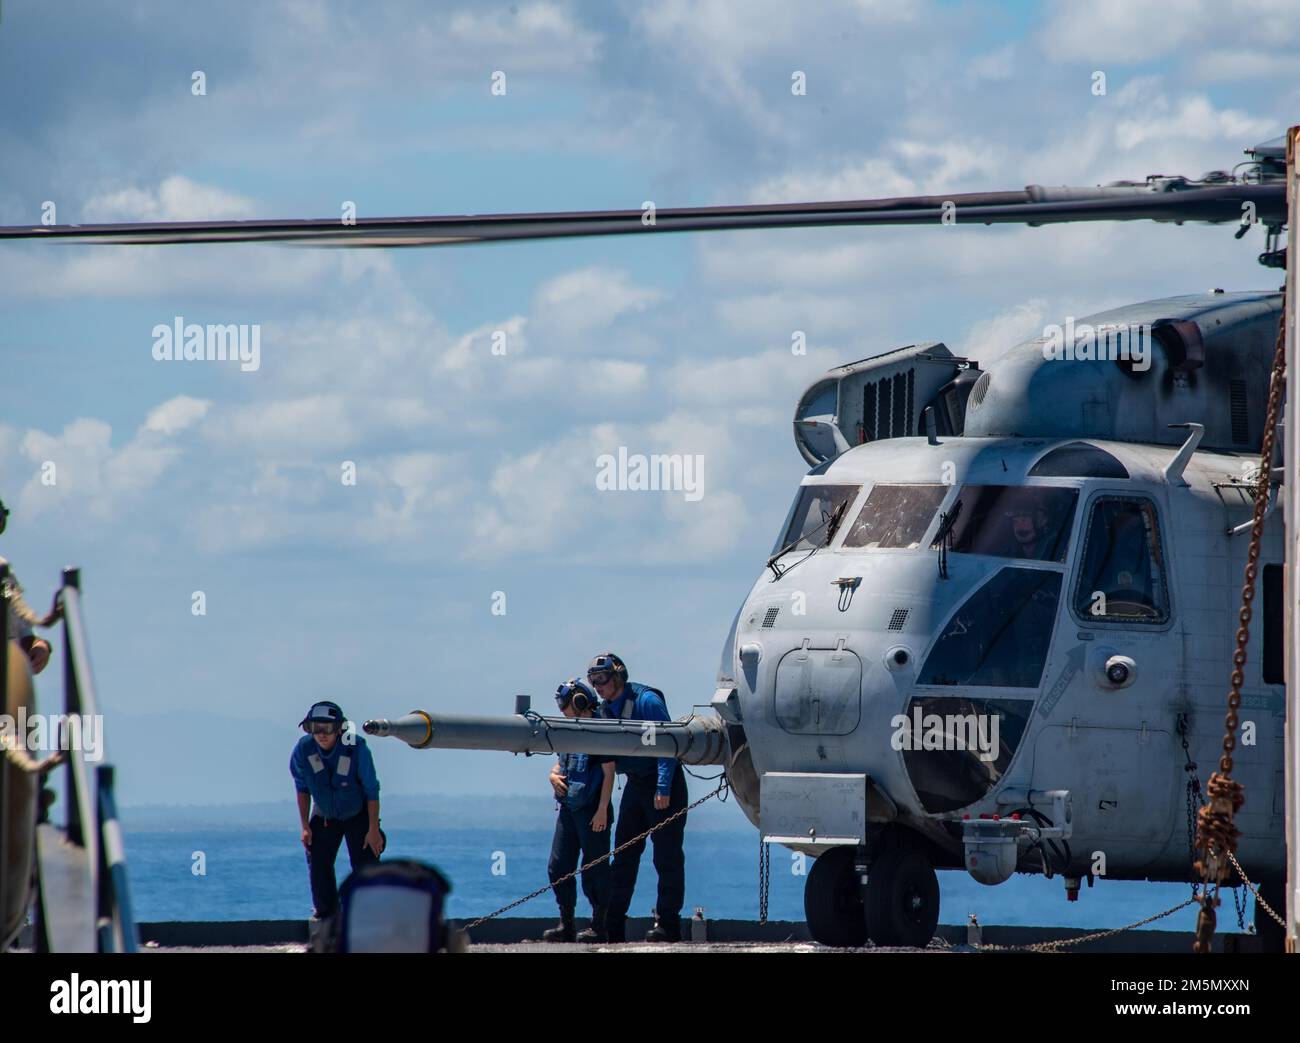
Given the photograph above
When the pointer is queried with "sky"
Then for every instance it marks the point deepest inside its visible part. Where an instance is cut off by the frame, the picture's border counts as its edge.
(476, 471)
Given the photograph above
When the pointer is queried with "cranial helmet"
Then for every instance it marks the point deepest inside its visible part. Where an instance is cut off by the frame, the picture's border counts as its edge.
(607, 663)
(324, 713)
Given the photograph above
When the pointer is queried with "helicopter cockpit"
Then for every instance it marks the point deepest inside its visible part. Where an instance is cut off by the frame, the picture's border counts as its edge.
(945, 600)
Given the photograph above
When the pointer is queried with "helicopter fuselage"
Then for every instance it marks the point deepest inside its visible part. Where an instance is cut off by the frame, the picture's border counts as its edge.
(1075, 624)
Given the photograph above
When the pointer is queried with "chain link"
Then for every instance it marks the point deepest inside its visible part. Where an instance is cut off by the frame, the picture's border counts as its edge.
(1194, 800)
(764, 877)
(1062, 943)
(1216, 830)
(722, 788)
(1246, 880)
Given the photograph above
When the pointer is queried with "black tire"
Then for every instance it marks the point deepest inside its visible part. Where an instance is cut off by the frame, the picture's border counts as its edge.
(902, 901)
(832, 904)
(1272, 938)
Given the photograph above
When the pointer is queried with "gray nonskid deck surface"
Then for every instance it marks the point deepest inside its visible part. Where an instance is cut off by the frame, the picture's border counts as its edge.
(523, 934)
(546, 947)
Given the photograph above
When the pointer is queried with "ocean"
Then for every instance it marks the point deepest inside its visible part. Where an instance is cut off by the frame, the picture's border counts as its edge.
(259, 872)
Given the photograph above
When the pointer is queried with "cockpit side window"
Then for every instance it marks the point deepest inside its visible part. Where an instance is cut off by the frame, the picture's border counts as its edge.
(1014, 521)
(809, 521)
(1122, 570)
(895, 516)
(1000, 636)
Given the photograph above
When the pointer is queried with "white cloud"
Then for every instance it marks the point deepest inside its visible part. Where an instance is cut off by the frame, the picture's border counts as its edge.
(546, 501)
(809, 260)
(771, 318)
(176, 198)
(768, 378)
(1226, 66)
(61, 271)
(78, 474)
(476, 346)
(1193, 119)
(1122, 31)
(177, 414)
(531, 36)
(908, 167)
(993, 66)
(577, 304)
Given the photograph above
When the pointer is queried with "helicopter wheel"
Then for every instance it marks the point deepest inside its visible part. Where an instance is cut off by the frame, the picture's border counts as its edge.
(902, 901)
(832, 903)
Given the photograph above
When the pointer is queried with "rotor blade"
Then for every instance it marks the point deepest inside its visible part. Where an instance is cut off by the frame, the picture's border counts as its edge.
(1034, 205)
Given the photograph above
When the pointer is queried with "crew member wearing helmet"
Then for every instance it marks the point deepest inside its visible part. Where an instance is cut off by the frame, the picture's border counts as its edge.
(655, 790)
(338, 799)
(37, 648)
(583, 789)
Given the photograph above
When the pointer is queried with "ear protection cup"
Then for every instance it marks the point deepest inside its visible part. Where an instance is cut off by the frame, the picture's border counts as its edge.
(576, 694)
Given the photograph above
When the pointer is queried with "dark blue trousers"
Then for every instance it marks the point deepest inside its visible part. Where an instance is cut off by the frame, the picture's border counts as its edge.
(326, 837)
(574, 836)
(636, 814)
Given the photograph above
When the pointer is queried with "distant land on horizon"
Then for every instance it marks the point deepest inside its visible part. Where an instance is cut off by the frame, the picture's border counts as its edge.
(441, 810)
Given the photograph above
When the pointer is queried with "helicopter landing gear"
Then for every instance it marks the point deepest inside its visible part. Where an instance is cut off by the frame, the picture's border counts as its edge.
(898, 905)
(832, 900)
(902, 899)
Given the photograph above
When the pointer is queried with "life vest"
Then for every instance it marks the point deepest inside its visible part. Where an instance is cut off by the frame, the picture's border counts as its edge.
(583, 782)
(340, 781)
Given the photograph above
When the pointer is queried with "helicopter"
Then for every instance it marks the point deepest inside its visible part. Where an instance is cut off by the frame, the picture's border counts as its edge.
(993, 630)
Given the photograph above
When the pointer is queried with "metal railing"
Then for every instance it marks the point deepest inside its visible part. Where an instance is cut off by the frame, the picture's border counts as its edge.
(82, 890)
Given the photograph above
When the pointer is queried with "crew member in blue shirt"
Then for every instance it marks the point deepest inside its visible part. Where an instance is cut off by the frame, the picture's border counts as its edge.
(583, 790)
(338, 799)
(655, 790)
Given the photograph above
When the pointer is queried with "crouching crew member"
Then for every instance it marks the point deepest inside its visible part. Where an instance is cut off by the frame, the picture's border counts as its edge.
(654, 791)
(338, 799)
(583, 785)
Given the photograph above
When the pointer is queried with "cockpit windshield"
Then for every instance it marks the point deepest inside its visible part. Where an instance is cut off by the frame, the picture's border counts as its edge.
(1014, 521)
(895, 516)
(809, 521)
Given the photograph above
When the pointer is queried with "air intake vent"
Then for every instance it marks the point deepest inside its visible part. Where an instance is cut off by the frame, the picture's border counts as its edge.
(769, 620)
(978, 392)
(1240, 416)
(899, 617)
(887, 406)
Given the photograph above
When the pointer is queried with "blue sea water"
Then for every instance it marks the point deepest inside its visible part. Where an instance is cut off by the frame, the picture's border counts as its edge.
(261, 873)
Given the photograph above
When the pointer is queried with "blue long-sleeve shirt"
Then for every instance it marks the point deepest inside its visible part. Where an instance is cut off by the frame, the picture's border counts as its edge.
(638, 702)
(341, 781)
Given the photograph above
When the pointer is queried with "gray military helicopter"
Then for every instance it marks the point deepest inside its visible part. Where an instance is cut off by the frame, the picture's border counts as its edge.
(995, 626)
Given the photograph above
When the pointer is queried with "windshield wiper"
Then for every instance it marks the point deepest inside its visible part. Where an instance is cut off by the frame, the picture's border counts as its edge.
(943, 537)
(832, 520)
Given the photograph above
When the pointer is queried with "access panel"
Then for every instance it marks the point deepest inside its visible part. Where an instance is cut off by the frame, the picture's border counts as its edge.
(819, 691)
